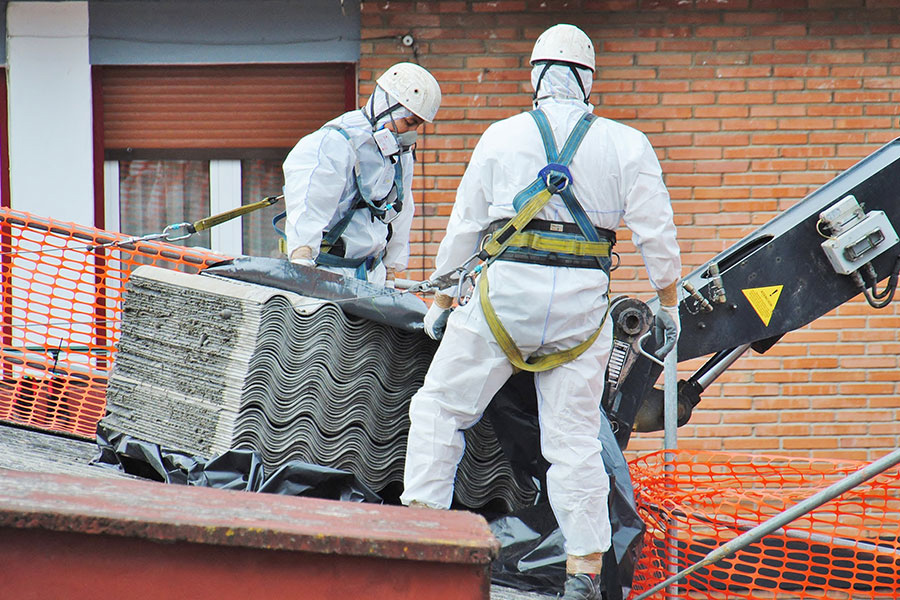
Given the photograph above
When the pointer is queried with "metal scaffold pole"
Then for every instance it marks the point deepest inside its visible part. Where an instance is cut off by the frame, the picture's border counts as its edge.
(670, 442)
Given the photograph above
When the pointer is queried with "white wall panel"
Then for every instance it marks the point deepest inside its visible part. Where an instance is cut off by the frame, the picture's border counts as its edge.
(50, 135)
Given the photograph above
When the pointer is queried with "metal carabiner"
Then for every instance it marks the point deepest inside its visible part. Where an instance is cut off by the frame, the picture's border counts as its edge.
(555, 169)
(170, 229)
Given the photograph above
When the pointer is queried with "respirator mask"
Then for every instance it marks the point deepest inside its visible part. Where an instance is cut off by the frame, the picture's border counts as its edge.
(390, 143)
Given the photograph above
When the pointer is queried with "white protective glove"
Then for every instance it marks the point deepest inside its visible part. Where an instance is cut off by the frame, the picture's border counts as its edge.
(666, 329)
(303, 256)
(437, 315)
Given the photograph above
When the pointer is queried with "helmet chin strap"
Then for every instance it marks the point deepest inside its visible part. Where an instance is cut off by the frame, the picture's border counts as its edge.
(572, 68)
(373, 121)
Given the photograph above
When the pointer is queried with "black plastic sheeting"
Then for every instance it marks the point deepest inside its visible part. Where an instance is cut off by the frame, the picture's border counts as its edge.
(234, 470)
(388, 306)
(532, 555)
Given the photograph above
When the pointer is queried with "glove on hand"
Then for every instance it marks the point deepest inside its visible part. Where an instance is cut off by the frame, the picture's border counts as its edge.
(437, 315)
(303, 256)
(666, 329)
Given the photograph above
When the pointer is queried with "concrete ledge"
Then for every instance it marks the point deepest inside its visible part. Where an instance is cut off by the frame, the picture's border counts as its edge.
(217, 536)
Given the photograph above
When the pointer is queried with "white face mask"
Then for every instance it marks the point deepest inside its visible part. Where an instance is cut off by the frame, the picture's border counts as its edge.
(408, 138)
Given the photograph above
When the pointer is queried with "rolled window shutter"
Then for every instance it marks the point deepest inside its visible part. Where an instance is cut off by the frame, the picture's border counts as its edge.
(220, 106)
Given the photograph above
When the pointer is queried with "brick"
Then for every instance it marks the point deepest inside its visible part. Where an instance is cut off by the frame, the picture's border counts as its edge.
(662, 86)
(677, 112)
(694, 153)
(722, 112)
(859, 71)
(615, 60)
(729, 139)
(749, 444)
(835, 110)
(681, 45)
(806, 124)
(859, 42)
(806, 97)
(867, 442)
(748, 18)
(861, 97)
(806, 443)
(751, 98)
(605, 87)
(665, 32)
(746, 71)
(718, 85)
(807, 71)
(617, 114)
(807, 43)
(843, 29)
(628, 74)
(749, 417)
(779, 58)
(498, 6)
(806, 416)
(630, 99)
(635, 45)
(883, 109)
(780, 138)
(835, 137)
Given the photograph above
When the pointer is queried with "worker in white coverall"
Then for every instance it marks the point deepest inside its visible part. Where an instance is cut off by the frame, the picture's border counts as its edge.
(547, 302)
(348, 186)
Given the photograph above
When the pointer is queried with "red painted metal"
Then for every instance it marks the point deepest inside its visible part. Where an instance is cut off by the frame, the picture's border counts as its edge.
(72, 537)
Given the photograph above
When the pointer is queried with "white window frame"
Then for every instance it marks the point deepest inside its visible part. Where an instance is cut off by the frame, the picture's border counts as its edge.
(224, 194)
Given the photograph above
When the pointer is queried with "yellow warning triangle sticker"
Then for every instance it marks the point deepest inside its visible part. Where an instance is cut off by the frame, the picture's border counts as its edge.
(763, 300)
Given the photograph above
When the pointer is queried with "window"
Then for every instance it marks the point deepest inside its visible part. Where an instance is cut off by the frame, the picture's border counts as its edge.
(185, 142)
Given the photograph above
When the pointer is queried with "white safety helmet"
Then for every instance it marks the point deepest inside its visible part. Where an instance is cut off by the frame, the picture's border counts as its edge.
(414, 88)
(566, 44)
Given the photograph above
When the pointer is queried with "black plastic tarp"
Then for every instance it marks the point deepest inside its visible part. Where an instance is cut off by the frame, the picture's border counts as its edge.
(233, 470)
(532, 555)
(388, 306)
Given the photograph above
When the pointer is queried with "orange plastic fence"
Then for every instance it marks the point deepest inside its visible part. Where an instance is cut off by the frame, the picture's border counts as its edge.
(61, 299)
(693, 502)
(60, 306)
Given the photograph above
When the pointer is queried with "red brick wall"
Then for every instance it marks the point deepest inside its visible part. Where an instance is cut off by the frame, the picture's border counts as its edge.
(751, 104)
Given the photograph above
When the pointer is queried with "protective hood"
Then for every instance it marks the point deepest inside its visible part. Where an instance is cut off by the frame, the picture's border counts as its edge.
(379, 102)
(559, 82)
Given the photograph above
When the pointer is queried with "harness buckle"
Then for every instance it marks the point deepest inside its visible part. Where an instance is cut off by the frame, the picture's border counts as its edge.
(556, 177)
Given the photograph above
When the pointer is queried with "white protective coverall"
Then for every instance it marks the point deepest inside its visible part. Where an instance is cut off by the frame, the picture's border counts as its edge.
(615, 176)
(320, 187)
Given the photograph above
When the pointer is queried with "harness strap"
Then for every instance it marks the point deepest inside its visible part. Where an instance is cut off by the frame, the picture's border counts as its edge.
(565, 157)
(555, 227)
(566, 245)
(331, 238)
(552, 179)
(512, 352)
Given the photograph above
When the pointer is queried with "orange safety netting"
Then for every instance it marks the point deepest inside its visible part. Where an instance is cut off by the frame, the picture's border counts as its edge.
(61, 300)
(694, 502)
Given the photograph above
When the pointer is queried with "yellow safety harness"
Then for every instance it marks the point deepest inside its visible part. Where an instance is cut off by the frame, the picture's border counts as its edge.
(512, 238)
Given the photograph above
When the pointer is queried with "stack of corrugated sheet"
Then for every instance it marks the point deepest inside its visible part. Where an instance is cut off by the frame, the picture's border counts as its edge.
(206, 364)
